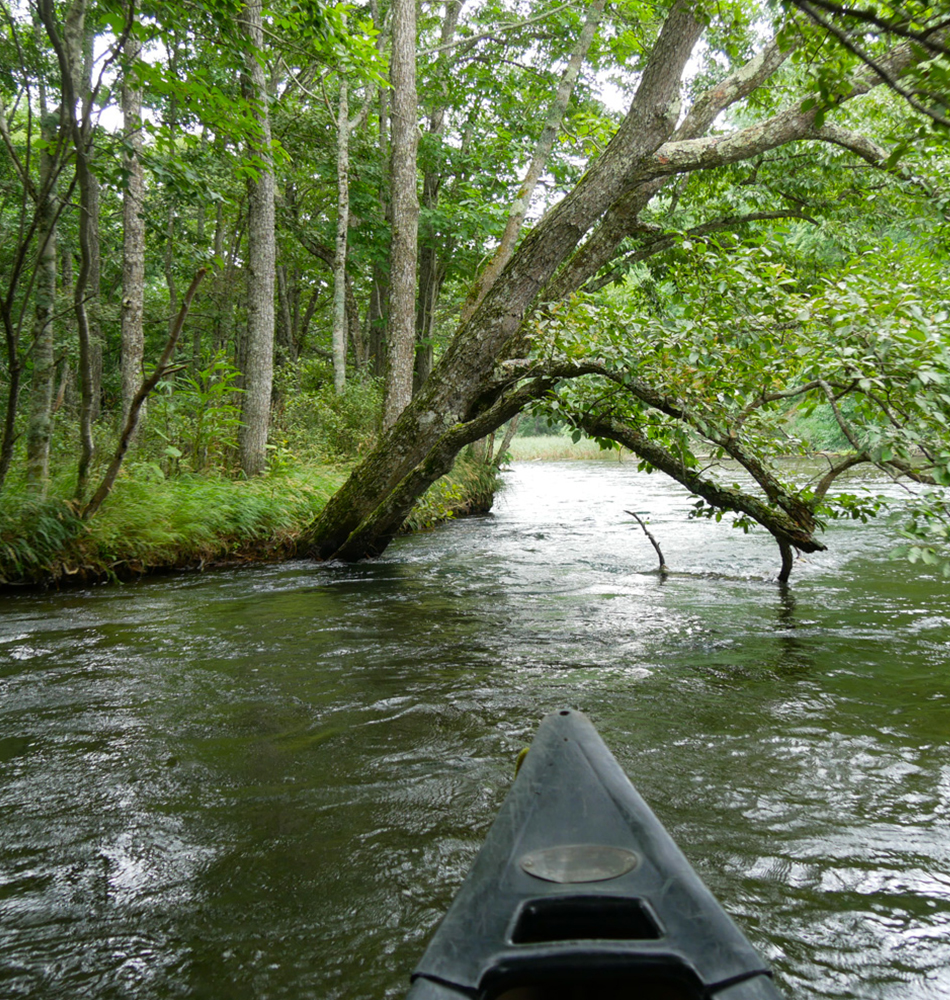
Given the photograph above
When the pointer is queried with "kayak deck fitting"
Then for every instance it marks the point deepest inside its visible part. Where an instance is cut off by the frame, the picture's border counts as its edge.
(579, 893)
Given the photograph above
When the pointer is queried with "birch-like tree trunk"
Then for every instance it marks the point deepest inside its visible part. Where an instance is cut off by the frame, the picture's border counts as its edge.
(342, 224)
(401, 340)
(40, 424)
(93, 210)
(539, 159)
(68, 41)
(133, 239)
(377, 312)
(433, 253)
(259, 352)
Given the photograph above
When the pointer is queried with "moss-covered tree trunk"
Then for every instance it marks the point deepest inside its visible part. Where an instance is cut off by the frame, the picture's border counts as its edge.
(458, 397)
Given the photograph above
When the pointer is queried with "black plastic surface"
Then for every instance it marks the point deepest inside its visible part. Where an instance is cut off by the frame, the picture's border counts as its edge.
(508, 931)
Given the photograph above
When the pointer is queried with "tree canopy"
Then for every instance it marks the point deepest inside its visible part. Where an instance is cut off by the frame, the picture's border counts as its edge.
(703, 232)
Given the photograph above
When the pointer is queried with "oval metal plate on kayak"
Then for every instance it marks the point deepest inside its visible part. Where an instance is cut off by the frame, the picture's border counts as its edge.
(569, 863)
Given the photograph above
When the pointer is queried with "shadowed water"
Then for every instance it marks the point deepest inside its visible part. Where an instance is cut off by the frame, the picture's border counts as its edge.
(270, 783)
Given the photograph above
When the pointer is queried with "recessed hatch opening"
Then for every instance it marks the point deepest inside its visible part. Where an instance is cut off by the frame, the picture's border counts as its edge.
(598, 989)
(584, 918)
(595, 985)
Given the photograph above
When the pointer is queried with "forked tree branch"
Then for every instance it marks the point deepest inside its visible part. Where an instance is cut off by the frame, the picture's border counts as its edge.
(148, 384)
(868, 16)
(774, 519)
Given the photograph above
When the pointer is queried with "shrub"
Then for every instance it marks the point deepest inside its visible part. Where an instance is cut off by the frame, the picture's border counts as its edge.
(313, 417)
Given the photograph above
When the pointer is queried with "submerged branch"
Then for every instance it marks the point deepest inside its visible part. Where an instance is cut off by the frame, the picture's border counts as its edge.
(656, 545)
(774, 519)
(788, 561)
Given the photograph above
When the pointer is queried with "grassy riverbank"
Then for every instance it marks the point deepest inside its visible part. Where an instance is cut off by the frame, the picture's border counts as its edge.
(559, 447)
(192, 522)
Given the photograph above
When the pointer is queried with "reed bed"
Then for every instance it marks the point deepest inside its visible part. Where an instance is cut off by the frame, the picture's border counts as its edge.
(557, 448)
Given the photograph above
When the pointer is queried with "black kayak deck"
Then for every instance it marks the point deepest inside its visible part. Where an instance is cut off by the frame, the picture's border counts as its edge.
(579, 893)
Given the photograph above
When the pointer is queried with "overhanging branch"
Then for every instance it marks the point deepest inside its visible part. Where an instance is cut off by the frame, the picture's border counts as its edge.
(658, 243)
(890, 79)
(774, 519)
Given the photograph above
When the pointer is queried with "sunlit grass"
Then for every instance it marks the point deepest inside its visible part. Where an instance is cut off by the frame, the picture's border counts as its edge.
(557, 447)
(150, 523)
(147, 524)
(200, 518)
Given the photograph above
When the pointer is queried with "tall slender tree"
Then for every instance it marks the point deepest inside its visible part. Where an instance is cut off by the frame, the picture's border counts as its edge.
(342, 224)
(39, 427)
(68, 40)
(133, 235)
(401, 338)
(259, 353)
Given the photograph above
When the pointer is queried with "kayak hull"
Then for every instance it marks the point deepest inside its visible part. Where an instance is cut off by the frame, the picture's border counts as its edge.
(579, 892)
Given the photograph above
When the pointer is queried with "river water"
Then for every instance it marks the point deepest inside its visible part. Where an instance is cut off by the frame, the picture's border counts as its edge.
(269, 783)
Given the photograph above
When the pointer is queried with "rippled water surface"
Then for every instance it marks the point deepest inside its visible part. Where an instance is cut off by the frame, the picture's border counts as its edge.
(270, 783)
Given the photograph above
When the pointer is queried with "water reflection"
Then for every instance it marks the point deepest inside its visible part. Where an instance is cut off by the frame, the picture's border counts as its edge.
(270, 783)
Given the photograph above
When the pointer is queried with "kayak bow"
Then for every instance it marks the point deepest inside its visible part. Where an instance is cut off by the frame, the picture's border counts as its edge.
(579, 893)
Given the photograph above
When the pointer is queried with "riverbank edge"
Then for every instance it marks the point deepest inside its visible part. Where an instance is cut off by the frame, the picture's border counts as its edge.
(100, 552)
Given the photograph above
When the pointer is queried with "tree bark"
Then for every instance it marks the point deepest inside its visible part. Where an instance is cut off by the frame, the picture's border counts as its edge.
(456, 392)
(519, 208)
(377, 313)
(433, 254)
(40, 425)
(94, 235)
(259, 353)
(133, 238)
(342, 222)
(401, 339)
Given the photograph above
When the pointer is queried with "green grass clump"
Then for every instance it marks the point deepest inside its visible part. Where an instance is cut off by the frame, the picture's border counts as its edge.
(468, 489)
(146, 525)
(192, 521)
(34, 532)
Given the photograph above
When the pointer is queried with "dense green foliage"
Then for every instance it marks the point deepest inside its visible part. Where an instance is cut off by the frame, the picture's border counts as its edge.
(787, 301)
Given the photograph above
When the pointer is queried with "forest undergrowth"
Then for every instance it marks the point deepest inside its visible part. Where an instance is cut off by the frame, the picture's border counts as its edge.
(180, 502)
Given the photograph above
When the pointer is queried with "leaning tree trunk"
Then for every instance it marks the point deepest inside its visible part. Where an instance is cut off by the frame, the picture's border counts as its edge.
(401, 338)
(379, 494)
(476, 384)
(259, 353)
